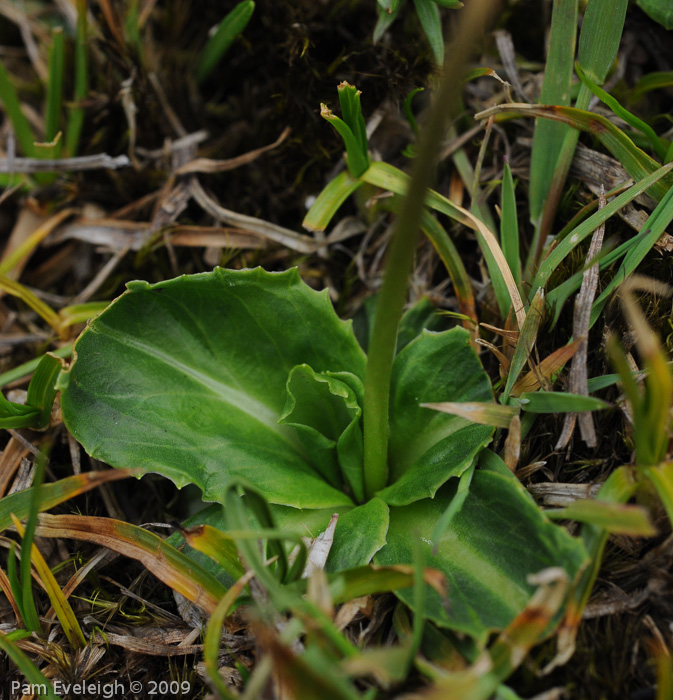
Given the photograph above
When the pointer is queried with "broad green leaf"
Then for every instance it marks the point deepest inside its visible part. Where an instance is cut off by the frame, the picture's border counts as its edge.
(495, 542)
(321, 408)
(421, 316)
(360, 533)
(187, 378)
(425, 447)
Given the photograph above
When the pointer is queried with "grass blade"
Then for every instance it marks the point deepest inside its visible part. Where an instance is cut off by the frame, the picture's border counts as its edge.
(400, 255)
(482, 413)
(53, 494)
(16, 289)
(658, 145)
(431, 23)
(29, 367)
(525, 343)
(54, 87)
(330, 200)
(656, 224)
(586, 228)
(62, 608)
(12, 107)
(42, 388)
(228, 29)
(76, 118)
(548, 138)
(635, 161)
(615, 518)
(558, 402)
(32, 674)
(168, 564)
(509, 225)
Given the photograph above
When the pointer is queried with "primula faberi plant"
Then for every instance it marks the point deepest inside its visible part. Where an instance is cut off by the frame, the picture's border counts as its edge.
(249, 376)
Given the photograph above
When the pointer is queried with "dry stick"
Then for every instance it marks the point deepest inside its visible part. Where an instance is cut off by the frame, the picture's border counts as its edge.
(578, 379)
(99, 161)
(503, 41)
(265, 229)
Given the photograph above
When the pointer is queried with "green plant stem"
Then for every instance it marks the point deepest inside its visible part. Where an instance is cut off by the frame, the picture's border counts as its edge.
(400, 257)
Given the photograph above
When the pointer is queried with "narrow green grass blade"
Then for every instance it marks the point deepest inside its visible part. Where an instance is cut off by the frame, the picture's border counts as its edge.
(229, 28)
(615, 518)
(357, 161)
(351, 109)
(662, 12)
(76, 118)
(661, 477)
(29, 367)
(12, 108)
(79, 313)
(389, 6)
(42, 388)
(390, 178)
(54, 87)
(60, 604)
(557, 402)
(631, 119)
(655, 226)
(586, 228)
(548, 138)
(32, 674)
(428, 16)
(600, 36)
(635, 161)
(652, 81)
(53, 494)
(29, 608)
(524, 345)
(330, 200)
(453, 263)
(13, 578)
(509, 226)
(211, 644)
(384, 21)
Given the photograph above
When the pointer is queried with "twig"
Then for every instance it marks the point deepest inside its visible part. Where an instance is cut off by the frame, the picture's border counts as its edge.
(578, 379)
(265, 229)
(99, 161)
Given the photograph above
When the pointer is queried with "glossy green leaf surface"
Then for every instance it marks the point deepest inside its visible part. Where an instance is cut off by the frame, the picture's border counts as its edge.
(187, 378)
(498, 538)
(426, 447)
